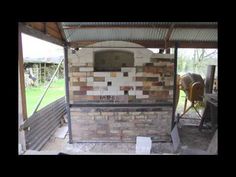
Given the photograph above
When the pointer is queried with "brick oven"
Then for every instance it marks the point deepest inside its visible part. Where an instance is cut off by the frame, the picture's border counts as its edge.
(117, 93)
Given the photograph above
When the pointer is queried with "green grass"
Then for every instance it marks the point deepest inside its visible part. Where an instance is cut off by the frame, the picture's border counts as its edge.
(33, 94)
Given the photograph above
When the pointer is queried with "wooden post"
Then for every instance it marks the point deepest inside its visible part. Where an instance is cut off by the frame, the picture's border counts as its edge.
(175, 74)
(21, 77)
(210, 78)
(67, 93)
(22, 112)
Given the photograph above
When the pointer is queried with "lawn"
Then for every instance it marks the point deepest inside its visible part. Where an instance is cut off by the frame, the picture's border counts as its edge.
(33, 94)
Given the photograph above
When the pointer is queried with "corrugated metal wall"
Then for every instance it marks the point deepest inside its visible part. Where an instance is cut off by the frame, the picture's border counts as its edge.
(40, 126)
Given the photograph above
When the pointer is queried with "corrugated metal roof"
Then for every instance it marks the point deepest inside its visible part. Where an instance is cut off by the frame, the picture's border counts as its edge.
(193, 34)
(182, 31)
(116, 34)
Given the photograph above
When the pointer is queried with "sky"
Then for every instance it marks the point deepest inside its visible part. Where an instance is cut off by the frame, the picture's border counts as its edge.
(37, 48)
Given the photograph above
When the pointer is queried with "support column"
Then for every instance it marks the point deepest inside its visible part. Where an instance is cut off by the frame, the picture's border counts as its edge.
(22, 112)
(67, 93)
(175, 75)
(21, 78)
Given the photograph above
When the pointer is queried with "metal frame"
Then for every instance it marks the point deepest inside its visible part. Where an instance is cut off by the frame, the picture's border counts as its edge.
(67, 93)
(175, 75)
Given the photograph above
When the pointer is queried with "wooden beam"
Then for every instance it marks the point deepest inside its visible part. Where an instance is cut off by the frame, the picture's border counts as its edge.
(21, 79)
(45, 27)
(169, 34)
(156, 44)
(139, 26)
(38, 34)
(63, 36)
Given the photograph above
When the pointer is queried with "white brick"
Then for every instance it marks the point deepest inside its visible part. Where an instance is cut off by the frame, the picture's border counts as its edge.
(75, 88)
(99, 84)
(128, 69)
(139, 83)
(82, 79)
(101, 74)
(158, 55)
(131, 74)
(108, 78)
(131, 92)
(139, 74)
(120, 92)
(138, 92)
(89, 92)
(142, 96)
(89, 79)
(139, 63)
(109, 93)
(86, 69)
(113, 88)
(90, 83)
(119, 74)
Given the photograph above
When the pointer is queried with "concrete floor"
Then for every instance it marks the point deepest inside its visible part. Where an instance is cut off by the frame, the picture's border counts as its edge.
(190, 138)
(192, 141)
(62, 145)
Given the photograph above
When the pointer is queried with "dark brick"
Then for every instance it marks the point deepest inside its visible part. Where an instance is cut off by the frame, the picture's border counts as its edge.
(79, 92)
(148, 64)
(157, 84)
(79, 83)
(160, 94)
(147, 79)
(74, 69)
(152, 79)
(109, 83)
(125, 74)
(139, 87)
(126, 88)
(162, 60)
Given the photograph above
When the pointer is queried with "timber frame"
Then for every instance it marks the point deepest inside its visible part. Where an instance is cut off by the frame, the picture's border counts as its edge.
(54, 32)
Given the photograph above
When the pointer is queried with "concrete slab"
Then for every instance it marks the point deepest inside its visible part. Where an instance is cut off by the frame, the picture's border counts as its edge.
(61, 132)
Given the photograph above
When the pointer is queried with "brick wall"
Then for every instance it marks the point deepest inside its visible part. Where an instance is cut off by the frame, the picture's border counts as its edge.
(89, 124)
(150, 80)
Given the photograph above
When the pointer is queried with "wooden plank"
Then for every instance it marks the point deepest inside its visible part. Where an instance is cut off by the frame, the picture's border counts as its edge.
(39, 34)
(61, 31)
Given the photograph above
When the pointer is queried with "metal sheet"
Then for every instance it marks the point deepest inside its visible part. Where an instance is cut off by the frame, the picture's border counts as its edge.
(44, 123)
(190, 34)
(116, 34)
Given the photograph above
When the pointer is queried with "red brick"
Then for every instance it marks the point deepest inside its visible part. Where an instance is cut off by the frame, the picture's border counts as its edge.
(126, 88)
(85, 88)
